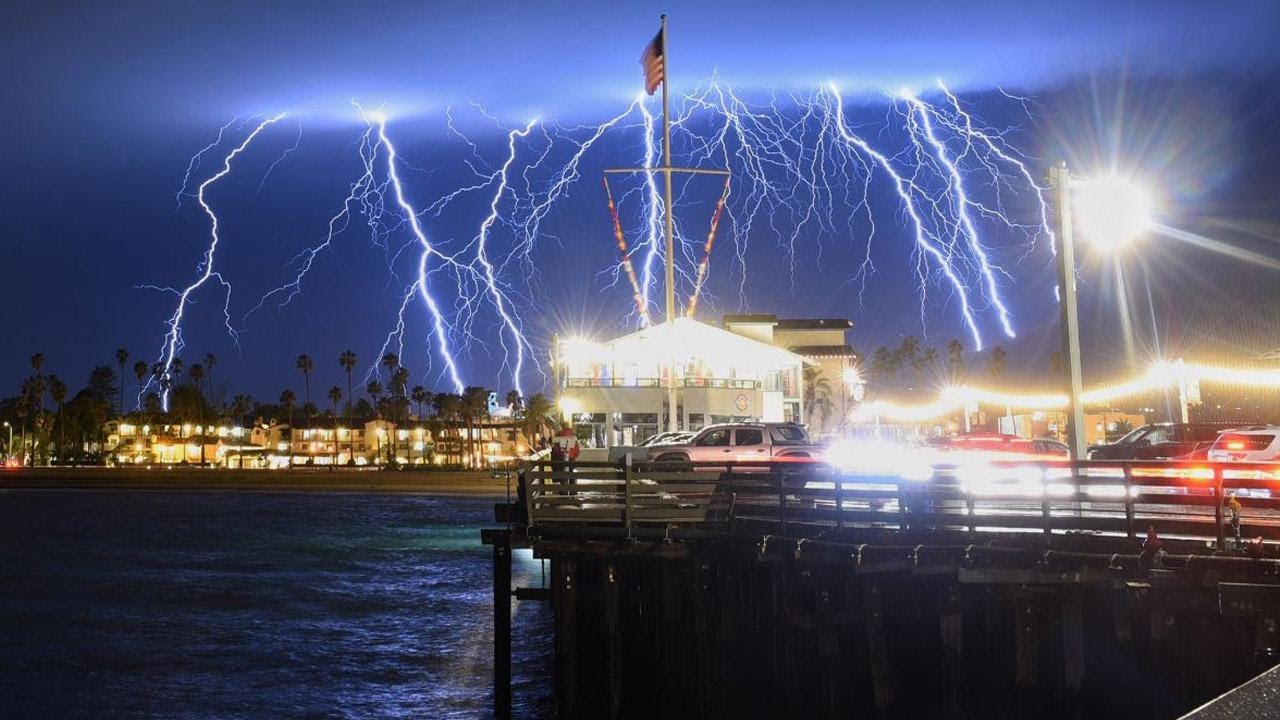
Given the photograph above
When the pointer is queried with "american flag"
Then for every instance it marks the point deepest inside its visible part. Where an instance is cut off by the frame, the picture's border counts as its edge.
(654, 62)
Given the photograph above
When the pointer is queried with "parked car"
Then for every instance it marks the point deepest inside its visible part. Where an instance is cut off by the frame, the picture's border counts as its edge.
(743, 442)
(1161, 441)
(673, 437)
(1253, 443)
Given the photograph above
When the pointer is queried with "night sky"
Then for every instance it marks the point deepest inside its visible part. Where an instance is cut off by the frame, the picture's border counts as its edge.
(105, 105)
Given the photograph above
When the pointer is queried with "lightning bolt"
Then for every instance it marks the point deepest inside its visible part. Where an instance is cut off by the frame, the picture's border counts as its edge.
(803, 173)
(205, 269)
(441, 329)
(926, 241)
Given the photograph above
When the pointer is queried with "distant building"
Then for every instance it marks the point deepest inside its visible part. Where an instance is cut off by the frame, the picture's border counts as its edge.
(277, 445)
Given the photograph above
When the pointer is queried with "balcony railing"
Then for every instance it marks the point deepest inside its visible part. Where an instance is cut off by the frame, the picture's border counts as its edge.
(723, 383)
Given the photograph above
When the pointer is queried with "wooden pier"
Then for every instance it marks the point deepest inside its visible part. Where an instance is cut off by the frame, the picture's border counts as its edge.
(794, 590)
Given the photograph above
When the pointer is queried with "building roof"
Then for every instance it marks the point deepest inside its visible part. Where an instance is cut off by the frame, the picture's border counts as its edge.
(815, 324)
(748, 318)
(823, 351)
(690, 339)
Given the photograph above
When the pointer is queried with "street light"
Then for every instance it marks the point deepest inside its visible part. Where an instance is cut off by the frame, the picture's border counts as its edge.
(8, 449)
(1113, 212)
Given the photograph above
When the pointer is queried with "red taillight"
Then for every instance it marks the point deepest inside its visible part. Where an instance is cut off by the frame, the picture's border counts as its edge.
(1235, 445)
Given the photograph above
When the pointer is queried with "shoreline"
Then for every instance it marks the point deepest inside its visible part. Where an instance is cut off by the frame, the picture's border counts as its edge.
(470, 483)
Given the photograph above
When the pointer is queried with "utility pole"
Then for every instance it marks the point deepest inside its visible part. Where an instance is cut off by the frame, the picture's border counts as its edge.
(667, 170)
(1069, 315)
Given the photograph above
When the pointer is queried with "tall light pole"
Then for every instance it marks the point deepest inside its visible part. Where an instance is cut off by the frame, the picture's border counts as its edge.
(1069, 313)
(1113, 211)
(8, 449)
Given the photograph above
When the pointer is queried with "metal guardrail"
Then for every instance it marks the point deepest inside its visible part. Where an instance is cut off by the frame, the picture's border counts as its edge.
(1118, 498)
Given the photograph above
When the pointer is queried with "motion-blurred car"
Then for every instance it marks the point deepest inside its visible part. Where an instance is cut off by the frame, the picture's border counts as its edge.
(1161, 441)
(1001, 443)
(1253, 443)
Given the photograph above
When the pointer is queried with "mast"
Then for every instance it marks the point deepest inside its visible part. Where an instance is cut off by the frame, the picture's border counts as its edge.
(673, 422)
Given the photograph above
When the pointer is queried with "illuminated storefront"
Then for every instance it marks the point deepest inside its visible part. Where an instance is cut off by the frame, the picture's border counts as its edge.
(615, 392)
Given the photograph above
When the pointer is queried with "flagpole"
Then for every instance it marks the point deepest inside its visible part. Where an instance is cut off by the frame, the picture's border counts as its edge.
(673, 422)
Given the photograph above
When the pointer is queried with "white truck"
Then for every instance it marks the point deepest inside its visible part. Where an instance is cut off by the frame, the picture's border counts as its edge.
(741, 442)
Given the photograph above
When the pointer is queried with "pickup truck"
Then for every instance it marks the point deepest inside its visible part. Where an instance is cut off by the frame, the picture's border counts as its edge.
(741, 442)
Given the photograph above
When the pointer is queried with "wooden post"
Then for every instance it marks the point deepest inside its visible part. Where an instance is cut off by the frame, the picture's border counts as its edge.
(839, 501)
(564, 582)
(1128, 502)
(502, 627)
(1046, 516)
(877, 645)
(951, 627)
(626, 490)
(782, 497)
(1073, 643)
(1026, 645)
(729, 502)
(613, 629)
(903, 523)
(1217, 507)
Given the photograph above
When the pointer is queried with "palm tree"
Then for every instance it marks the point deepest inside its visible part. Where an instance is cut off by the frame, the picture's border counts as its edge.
(447, 408)
(374, 388)
(955, 360)
(335, 394)
(535, 415)
(515, 402)
(37, 362)
(196, 373)
(882, 366)
(305, 366)
(1055, 364)
(817, 394)
(58, 393)
(420, 396)
(209, 361)
(996, 363)
(475, 407)
(140, 371)
(391, 361)
(348, 362)
(924, 362)
(287, 399)
(240, 407)
(122, 357)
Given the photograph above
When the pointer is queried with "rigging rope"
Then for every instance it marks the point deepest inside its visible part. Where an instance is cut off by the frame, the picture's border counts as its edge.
(626, 256)
(706, 252)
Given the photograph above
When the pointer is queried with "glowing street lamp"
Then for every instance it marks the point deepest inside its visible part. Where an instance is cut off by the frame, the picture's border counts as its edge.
(1113, 212)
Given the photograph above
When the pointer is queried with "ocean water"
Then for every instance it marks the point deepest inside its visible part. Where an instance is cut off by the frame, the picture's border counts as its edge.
(238, 605)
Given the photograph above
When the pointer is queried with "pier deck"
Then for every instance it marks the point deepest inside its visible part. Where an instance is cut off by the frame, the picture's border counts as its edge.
(792, 589)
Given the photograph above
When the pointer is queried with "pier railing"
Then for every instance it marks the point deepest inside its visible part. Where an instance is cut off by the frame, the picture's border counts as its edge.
(1118, 498)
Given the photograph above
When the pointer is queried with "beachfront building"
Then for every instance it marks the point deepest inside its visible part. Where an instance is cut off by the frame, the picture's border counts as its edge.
(130, 442)
(615, 393)
(277, 445)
